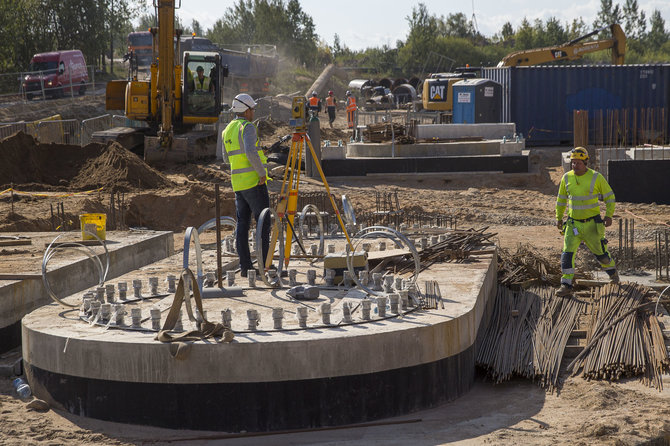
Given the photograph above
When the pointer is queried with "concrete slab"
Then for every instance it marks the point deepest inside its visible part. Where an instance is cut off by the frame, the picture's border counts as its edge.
(267, 378)
(69, 271)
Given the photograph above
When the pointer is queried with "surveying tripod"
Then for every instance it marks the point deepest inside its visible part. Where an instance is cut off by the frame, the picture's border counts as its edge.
(288, 196)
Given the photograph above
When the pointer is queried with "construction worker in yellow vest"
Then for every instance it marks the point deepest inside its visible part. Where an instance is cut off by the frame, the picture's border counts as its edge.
(351, 110)
(248, 168)
(202, 82)
(579, 191)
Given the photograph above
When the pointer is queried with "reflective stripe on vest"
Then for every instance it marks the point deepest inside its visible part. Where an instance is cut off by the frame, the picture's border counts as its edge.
(581, 202)
(243, 175)
(204, 85)
(313, 101)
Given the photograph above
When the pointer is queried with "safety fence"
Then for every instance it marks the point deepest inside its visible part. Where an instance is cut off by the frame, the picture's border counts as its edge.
(67, 131)
(399, 117)
(28, 85)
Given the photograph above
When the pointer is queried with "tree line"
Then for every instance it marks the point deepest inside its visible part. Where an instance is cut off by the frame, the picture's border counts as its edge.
(433, 43)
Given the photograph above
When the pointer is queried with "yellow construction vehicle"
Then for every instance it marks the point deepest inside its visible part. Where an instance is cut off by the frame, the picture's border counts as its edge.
(173, 100)
(437, 91)
(571, 50)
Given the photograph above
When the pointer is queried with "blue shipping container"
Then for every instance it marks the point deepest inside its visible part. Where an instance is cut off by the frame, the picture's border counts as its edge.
(541, 99)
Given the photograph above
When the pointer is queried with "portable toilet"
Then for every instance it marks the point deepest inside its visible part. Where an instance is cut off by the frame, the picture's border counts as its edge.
(476, 101)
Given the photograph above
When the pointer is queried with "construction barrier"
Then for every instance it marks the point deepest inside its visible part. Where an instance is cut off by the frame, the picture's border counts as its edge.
(59, 132)
(92, 125)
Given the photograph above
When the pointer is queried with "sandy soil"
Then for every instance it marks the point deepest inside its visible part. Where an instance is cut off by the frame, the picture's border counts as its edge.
(518, 208)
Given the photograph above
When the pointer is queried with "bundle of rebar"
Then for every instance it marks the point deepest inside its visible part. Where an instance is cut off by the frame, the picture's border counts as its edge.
(527, 334)
(456, 246)
(383, 131)
(526, 267)
(624, 338)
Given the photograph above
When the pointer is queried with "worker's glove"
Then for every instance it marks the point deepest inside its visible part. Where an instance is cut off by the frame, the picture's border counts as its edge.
(607, 221)
(559, 225)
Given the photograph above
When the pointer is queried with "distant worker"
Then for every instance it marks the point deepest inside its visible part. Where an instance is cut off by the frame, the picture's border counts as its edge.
(331, 105)
(351, 110)
(248, 166)
(315, 103)
(202, 82)
(580, 190)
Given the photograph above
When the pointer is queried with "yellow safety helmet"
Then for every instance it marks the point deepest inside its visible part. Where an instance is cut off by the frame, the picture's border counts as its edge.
(579, 153)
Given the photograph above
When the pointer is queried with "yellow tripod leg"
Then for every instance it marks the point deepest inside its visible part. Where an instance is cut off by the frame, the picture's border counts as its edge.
(330, 196)
(292, 205)
(283, 201)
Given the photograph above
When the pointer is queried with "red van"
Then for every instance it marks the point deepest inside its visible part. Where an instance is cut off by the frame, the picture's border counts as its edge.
(57, 73)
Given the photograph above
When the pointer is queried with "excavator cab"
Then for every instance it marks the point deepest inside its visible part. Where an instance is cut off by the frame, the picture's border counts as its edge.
(202, 87)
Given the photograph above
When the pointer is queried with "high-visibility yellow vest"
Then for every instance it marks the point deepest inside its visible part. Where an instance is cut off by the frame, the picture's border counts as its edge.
(242, 174)
(580, 194)
(202, 86)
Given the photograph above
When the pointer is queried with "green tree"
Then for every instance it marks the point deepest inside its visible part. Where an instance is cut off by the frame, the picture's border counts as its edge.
(607, 15)
(275, 22)
(657, 35)
(635, 21)
(423, 29)
(507, 32)
(524, 38)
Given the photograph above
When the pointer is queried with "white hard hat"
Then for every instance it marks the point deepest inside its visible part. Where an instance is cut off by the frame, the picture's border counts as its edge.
(242, 103)
(314, 93)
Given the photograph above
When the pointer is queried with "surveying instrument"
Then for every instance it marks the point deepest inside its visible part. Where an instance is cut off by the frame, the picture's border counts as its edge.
(288, 196)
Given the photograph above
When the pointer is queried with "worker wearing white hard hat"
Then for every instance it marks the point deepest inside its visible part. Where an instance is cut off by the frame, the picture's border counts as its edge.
(248, 166)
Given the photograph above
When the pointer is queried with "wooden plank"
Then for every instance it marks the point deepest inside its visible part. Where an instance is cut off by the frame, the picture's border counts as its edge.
(9, 276)
(15, 242)
(80, 242)
(378, 255)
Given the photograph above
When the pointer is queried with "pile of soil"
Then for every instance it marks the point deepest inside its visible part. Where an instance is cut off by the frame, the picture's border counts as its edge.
(119, 169)
(29, 165)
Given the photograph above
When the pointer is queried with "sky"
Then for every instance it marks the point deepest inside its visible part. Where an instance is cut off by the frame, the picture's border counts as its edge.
(372, 23)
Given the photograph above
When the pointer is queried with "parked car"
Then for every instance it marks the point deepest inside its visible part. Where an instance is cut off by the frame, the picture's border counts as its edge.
(56, 73)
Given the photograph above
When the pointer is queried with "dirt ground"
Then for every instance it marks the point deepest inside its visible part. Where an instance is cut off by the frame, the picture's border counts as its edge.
(518, 208)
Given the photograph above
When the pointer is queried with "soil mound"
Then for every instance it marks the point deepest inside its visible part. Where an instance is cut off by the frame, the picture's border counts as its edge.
(119, 169)
(33, 166)
(24, 160)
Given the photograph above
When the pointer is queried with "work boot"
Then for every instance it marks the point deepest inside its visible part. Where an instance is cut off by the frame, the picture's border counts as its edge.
(564, 290)
(614, 278)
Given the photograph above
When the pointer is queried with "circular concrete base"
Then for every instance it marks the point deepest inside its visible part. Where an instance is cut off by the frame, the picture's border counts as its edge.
(265, 380)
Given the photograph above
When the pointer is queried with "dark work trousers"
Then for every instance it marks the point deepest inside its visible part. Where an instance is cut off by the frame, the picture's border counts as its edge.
(250, 201)
(331, 114)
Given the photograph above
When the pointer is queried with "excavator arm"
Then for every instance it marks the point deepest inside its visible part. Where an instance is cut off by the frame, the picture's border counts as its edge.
(572, 50)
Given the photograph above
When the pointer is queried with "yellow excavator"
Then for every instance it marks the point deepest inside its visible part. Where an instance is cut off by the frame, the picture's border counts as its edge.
(173, 100)
(571, 50)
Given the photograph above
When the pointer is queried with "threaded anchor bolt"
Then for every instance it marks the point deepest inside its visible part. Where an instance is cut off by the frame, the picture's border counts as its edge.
(301, 315)
(109, 291)
(365, 310)
(227, 318)
(123, 290)
(278, 317)
(311, 276)
(153, 285)
(137, 288)
(381, 306)
(325, 313)
(155, 318)
(136, 317)
(171, 279)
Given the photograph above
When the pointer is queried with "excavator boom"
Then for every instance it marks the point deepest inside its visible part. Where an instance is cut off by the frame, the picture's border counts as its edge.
(575, 49)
